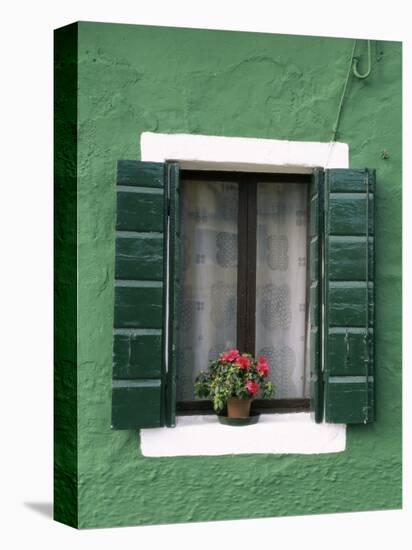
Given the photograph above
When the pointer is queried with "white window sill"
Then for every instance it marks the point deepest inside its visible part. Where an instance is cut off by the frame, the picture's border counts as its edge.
(295, 433)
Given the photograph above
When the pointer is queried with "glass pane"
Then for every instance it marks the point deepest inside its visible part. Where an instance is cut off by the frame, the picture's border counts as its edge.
(208, 277)
(281, 285)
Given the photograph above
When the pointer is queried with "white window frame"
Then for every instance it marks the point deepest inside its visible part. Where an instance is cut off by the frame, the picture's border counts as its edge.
(275, 433)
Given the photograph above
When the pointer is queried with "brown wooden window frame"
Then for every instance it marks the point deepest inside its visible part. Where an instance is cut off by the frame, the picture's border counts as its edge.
(246, 276)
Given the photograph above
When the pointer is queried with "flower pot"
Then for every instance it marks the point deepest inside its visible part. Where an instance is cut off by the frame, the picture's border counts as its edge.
(238, 408)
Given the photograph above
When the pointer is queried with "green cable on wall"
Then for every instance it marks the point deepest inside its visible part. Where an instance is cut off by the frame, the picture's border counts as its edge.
(356, 62)
(353, 67)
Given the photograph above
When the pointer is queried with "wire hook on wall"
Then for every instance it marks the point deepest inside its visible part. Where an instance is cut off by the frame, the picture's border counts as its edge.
(356, 62)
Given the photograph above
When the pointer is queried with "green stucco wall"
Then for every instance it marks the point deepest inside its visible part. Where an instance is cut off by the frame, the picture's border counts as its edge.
(133, 79)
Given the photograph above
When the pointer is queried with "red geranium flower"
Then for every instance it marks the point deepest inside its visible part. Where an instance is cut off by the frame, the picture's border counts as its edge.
(243, 362)
(252, 387)
(262, 367)
(229, 355)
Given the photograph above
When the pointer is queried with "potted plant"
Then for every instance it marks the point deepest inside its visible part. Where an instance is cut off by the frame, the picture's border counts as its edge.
(234, 379)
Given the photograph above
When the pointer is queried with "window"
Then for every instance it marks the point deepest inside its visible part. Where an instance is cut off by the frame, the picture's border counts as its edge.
(340, 290)
(243, 278)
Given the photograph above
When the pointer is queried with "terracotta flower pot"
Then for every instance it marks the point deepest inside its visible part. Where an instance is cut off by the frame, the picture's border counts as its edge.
(238, 408)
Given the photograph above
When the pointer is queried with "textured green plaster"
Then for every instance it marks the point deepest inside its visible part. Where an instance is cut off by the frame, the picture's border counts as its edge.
(133, 79)
(65, 276)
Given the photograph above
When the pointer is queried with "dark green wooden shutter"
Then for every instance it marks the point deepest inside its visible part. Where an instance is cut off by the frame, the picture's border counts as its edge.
(349, 296)
(315, 296)
(173, 178)
(140, 378)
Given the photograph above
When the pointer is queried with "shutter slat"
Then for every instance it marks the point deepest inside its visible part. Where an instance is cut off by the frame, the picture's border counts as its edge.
(347, 258)
(346, 213)
(148, 174)
(137, 356)
(138, 307)
(347, 353)
(348, 181)
(349, 296)
(350, 402)
(136, 405)
(139, 211)
(139, 257)
(348, 303)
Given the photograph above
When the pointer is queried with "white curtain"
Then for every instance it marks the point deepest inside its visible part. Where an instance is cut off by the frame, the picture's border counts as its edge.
(208, 281)
(208, 278)
(281, 285)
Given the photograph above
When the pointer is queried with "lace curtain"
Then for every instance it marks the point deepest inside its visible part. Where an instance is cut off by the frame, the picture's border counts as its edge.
(208, 278)
(281, 285)
(208, 281)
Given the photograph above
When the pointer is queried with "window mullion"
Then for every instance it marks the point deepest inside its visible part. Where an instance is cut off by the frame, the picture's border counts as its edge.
(246, 299)
(251, 266)
(242, 267)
